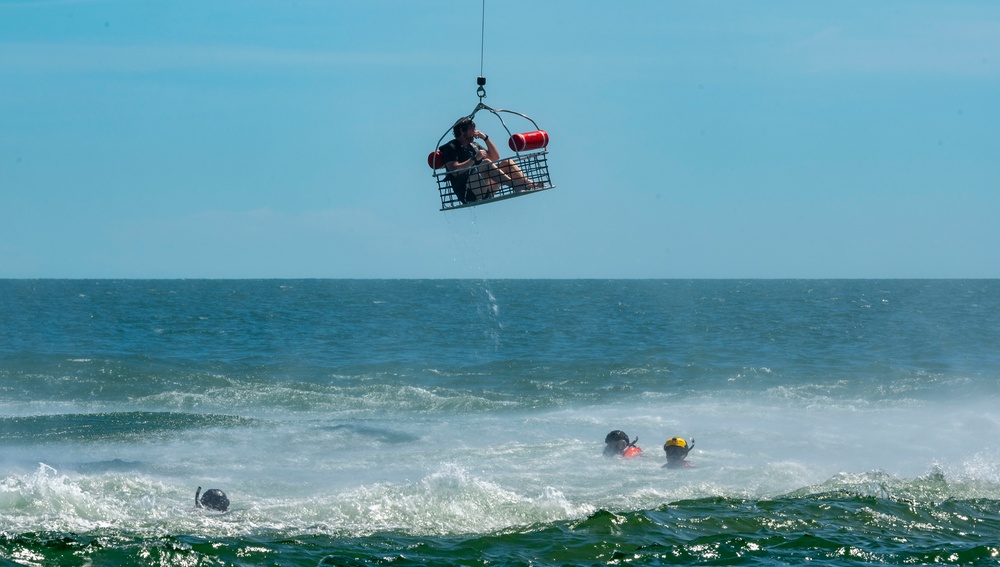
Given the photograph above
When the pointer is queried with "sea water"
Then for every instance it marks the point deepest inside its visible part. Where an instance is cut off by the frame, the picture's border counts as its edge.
(461, 422)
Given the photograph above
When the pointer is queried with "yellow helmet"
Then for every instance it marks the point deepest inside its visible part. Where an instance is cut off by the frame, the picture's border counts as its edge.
(675, 442)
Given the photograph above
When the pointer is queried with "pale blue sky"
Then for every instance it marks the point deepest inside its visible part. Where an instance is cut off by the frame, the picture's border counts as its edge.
(244, 139)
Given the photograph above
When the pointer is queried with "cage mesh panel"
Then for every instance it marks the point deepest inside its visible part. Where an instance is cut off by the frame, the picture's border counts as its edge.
(535, 167)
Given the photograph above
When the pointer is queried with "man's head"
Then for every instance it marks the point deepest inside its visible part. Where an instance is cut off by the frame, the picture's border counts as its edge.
(615, 443)
(616, 435)
(462, 125)
(676, 449)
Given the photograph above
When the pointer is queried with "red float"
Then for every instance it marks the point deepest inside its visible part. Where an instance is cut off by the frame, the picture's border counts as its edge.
(434, 160)
(529, 141)
(632, 451)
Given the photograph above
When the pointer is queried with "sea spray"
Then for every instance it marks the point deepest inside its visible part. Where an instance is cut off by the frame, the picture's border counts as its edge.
(836, 421)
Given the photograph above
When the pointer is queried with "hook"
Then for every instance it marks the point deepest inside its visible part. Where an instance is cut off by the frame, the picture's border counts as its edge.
(481, 91)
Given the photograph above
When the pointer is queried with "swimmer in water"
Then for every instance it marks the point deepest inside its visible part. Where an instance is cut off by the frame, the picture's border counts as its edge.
(616, 444)
(213, 499)
(677, 450)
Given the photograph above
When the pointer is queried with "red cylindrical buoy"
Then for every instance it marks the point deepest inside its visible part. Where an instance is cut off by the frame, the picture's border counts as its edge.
(529, 141)
(435, 161)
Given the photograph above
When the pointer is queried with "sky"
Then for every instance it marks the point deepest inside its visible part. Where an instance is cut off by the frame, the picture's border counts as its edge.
(689, 139)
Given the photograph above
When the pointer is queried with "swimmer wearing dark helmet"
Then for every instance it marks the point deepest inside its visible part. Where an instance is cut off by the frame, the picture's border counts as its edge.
(616, 444)
(213, 499)
(677, 450)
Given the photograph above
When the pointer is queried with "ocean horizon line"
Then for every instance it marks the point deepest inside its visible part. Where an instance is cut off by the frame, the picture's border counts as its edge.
(527, 279)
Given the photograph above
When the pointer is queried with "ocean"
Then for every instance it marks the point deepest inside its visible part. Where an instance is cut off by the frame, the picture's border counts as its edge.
(461, 422)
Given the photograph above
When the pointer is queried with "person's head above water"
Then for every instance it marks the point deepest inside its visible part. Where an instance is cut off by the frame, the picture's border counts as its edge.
(677, 449)
(616, 443)
(213, 499)
(616, 435)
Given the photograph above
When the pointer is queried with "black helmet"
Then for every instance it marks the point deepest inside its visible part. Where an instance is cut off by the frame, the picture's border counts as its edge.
(616, 435)
(213, 499)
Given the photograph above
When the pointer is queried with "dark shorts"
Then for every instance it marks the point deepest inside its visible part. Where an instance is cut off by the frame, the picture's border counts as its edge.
(462, 184)
(459, 186)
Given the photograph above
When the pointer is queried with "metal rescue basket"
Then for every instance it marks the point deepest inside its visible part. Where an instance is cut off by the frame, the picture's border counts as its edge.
(530, 156)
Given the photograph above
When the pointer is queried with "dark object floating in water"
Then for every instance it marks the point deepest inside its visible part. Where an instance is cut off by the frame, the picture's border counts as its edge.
(213, 499)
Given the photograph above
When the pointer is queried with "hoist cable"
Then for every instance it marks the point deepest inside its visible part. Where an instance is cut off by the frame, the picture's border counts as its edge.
(482, 40)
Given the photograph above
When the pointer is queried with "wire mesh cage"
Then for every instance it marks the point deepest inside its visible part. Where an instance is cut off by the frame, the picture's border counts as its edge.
(481, 181)
(493, 181)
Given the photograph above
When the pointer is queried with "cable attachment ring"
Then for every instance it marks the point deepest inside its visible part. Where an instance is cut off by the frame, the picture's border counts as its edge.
(481, 91)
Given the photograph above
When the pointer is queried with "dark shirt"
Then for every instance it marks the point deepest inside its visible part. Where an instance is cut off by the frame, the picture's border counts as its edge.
(454, 151)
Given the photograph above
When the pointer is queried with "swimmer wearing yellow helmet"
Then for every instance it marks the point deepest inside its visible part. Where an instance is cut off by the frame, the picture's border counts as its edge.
(677, 450)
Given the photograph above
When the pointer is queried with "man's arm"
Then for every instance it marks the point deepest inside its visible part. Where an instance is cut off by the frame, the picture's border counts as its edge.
(491, 150)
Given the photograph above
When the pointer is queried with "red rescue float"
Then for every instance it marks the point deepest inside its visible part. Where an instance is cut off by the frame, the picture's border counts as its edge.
(434, 160)
(632, 452)
(529, 141)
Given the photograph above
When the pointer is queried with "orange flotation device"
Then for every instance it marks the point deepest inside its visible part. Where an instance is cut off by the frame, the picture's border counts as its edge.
(632, 451)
